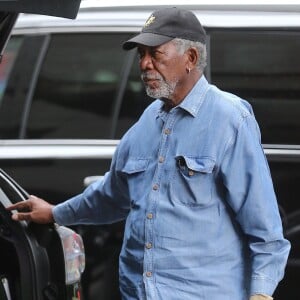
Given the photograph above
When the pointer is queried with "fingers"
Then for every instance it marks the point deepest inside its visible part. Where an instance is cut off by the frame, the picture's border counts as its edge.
(24, 209)
(34, 209)
(22, 206)
(21, 216)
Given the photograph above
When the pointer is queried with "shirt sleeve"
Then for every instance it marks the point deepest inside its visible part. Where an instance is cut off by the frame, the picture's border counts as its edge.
(251, 195)
(103, 202)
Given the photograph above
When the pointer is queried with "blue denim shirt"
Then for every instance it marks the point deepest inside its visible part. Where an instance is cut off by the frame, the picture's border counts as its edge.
(193, 184)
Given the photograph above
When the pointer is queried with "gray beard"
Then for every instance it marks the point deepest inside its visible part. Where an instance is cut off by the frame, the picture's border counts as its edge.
(165, 90)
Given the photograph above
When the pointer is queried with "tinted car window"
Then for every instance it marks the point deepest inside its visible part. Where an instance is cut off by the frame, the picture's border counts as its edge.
(77, 85)
(264, 68)
(7, 62)
(135, 101)
(22, 53)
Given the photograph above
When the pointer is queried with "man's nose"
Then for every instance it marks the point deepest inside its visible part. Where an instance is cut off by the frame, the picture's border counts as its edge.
(146, 62)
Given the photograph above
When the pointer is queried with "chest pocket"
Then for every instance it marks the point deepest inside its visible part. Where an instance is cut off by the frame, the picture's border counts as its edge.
(193, 181)
(134, 171)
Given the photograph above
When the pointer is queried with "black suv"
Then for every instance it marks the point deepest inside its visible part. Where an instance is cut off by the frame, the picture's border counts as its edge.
(68, 93)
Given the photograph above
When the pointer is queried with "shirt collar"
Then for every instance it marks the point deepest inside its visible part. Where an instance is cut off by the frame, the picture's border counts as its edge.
(194, 99)
(192, 102)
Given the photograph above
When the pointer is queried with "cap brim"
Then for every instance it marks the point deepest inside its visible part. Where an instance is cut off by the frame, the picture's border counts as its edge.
(147, 39)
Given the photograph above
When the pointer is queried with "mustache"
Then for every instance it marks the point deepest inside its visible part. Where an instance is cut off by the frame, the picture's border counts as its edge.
(149, 76)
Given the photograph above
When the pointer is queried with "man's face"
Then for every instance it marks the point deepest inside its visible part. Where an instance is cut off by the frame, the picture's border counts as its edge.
(163, 70)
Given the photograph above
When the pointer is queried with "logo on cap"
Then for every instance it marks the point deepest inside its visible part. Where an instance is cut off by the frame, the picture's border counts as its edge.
(149, 21)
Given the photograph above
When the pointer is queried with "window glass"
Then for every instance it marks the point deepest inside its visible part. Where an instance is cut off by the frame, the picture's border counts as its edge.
(77, 86)
(263, 68)
(7, 62)
(135, 101)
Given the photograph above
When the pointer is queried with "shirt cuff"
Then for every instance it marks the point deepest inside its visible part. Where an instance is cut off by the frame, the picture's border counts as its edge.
(63, 214)
(261, 297)
(262, 286)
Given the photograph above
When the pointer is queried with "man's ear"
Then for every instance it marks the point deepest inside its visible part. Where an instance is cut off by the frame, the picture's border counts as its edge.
(193, 57)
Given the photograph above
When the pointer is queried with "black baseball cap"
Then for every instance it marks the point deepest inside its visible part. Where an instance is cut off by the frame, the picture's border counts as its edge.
(166, 24)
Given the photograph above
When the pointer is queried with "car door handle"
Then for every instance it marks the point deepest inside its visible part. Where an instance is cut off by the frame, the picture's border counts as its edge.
(90, 179)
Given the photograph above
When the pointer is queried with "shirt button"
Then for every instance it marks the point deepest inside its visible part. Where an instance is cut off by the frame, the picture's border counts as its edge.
(191, 173)
(161, 159)
(167, 131)
(155, 187)
(148, 245)
(149, 216)
(148, 274)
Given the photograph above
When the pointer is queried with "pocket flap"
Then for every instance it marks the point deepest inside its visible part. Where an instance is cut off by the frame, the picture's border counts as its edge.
(199, 164)
(135, 165)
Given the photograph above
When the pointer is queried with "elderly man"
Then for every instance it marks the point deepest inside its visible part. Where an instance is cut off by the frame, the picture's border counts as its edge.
(191, 180)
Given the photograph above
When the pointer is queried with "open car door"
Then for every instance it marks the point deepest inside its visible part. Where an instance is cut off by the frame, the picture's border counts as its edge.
(37, 262)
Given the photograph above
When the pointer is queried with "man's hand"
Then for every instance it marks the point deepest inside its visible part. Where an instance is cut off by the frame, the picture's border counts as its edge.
(261, 297)
(34, 209)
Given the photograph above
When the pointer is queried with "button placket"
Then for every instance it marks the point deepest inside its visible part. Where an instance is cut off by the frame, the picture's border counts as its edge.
(149, 248)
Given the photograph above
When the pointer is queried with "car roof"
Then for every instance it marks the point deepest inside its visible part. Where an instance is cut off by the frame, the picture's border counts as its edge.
(130, 16)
